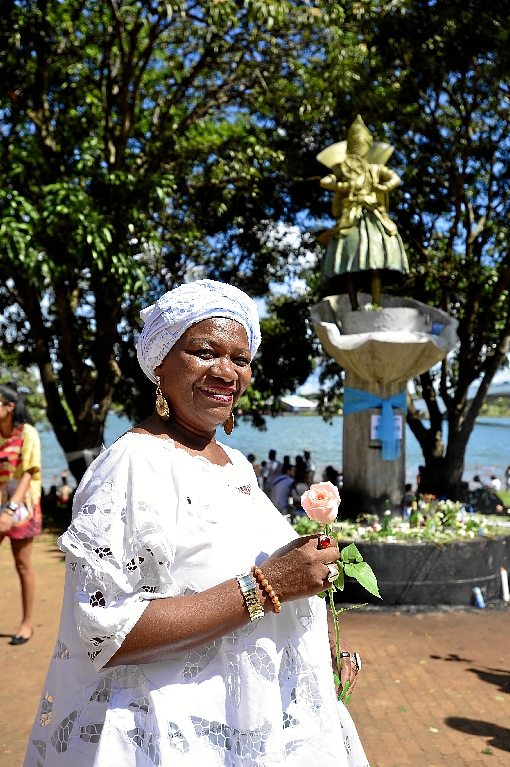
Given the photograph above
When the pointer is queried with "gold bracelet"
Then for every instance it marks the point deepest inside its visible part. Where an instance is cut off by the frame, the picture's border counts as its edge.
(267, 586)
(249, 590)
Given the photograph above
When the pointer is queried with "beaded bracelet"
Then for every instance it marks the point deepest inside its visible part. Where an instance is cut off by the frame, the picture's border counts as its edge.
(267, 586)
(249, 590)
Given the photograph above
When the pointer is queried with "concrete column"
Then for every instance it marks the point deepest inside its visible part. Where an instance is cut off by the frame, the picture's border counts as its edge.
(368, 480)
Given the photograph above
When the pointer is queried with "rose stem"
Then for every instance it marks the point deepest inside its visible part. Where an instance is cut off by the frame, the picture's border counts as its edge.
(335, 618)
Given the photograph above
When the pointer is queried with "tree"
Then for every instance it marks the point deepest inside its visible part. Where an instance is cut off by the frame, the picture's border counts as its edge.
(435, 84)
(451, 131)
(137, 141)
(142, 142)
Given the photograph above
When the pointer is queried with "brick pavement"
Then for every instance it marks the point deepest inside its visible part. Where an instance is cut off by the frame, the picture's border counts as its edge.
(434, 690)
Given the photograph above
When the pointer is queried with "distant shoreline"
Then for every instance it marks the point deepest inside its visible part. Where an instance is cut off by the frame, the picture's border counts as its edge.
(309, 413)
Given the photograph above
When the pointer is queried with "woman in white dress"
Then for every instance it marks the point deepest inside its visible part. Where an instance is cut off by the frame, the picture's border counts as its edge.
(173, 649)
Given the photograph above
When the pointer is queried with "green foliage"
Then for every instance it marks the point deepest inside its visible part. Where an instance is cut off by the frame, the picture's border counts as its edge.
(27, 382)
(350, 555)
(306, 526)
(364, 574)
(449, 65)
(434, 82)
(351, 563)
(504, 496)
(340, 581)
(141, 141)
(496, 408)
(287, 355)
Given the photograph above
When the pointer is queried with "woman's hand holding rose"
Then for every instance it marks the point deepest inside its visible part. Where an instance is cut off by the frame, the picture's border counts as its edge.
(298, 570)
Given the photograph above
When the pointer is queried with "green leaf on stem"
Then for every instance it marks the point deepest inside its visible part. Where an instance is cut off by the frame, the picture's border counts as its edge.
(344, 691)
(340, 581)
(350, 554)
(336, 679)
(322, 595)
(364, 574)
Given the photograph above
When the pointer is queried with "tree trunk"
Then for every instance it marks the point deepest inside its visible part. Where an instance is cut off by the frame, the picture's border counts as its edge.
(443, 469)
(79, 394)
(442, 476)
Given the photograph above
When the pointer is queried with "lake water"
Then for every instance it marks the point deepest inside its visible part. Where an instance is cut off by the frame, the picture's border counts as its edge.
(488, 450)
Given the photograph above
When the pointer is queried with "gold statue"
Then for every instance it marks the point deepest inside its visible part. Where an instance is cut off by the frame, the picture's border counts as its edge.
(365, 242)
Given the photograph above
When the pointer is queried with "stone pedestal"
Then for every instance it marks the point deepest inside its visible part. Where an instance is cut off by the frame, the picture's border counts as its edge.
(368, 480)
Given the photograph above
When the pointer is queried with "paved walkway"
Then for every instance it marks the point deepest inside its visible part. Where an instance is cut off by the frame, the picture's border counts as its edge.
(434, 690)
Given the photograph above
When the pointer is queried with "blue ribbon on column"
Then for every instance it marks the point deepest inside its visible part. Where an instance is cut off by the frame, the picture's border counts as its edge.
(356, 400)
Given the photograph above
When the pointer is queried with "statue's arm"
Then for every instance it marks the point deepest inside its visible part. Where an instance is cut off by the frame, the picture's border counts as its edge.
(388, 179)
(331, 182)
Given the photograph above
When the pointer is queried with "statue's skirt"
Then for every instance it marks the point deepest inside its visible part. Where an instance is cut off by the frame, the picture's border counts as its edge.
(367, 246)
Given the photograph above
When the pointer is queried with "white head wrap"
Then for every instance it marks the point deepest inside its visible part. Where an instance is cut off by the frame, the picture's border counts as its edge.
(179, 309)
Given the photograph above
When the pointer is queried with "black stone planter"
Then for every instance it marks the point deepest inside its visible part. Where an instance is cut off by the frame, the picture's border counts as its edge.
(429, 574)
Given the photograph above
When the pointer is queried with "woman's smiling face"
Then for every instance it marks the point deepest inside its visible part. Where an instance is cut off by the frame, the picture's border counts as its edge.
(205, 373)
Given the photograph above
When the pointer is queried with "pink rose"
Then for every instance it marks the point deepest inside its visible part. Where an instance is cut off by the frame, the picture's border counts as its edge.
(321, 502)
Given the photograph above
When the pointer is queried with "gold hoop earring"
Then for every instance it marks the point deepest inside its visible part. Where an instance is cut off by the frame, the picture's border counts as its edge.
(162, 408)
(228, 426)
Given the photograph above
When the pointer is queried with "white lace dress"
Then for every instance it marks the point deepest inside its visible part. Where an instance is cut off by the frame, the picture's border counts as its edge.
(150, 522)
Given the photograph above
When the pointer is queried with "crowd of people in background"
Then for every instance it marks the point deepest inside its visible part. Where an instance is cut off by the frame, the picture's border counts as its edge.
(495, 484)
(285, 482)
(57, 502)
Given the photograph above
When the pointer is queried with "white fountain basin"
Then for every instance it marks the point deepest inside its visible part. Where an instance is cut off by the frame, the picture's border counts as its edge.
(391, 319)
(399, 341)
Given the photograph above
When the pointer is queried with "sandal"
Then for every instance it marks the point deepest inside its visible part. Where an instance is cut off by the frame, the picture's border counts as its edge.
(16, 639)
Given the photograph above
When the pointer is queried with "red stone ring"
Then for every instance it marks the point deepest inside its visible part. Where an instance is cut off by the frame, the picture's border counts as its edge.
(324, 542)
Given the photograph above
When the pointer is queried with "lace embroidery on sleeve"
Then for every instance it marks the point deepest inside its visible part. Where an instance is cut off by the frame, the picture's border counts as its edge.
(119, 556)
(141, 563)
